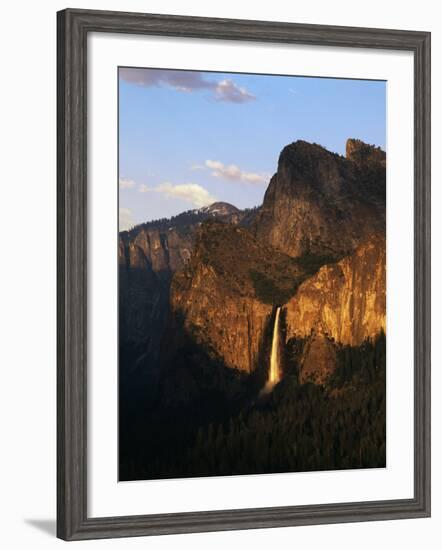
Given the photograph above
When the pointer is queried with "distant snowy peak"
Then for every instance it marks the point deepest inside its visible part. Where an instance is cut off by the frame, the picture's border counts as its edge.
(219, 209)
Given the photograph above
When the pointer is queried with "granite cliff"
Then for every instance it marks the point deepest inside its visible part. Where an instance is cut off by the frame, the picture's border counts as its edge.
(343, 304)
(225, 294)
(321, 204)
(148, 256)
(344, 300)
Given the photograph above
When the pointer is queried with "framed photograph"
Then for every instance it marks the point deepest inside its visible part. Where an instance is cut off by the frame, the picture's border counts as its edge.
(243, 274)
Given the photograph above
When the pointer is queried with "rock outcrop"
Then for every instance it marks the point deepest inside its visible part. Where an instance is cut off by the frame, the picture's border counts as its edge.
(224, 296)
(344, 303)
(365, 155)
(165, 245)
(321, 204)
(344, 300)
(148, 256)
(318, 361)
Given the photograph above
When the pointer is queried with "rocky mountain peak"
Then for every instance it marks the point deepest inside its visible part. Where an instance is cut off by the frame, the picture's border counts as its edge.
(218, 209)
(306, 163)
(320, 203)
(301, 151)
(363, 153)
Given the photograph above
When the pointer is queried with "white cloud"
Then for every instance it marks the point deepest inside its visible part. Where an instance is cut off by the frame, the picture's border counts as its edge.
(192, 193)
(227, 90)
(125, 219)
(187, 81)
(182, 81)
(233, 172)
(215, 164)
(251, 177)
(126, 183)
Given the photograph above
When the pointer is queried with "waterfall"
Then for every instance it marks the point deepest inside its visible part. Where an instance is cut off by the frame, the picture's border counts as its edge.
(274, 372)
(274, 356)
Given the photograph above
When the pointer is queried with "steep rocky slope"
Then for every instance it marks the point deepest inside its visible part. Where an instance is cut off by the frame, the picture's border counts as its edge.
(148, 255)
(318, 361)
(321, 204)
(343, 304)
(225, 294)
(344, 300)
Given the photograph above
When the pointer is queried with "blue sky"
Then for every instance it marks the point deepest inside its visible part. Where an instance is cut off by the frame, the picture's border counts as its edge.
(188, 138)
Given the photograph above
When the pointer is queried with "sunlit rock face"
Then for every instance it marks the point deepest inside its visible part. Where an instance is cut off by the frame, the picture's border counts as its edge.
(224, 296)
(148, 256)
(344, 303)
(320, 203)
(345, 300)
(229, 325)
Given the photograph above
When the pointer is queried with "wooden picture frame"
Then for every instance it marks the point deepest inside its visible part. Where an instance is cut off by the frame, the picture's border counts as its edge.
(73, 28)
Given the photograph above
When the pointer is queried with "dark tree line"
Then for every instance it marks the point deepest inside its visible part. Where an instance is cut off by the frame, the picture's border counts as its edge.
(297, 427)
(183, 220)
